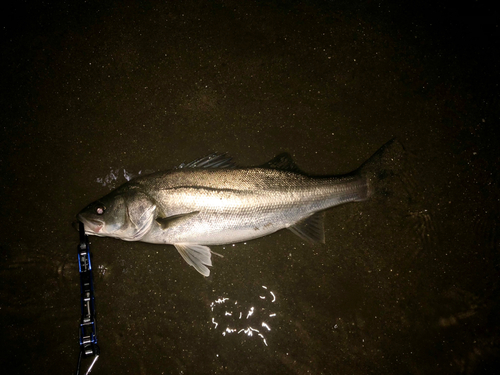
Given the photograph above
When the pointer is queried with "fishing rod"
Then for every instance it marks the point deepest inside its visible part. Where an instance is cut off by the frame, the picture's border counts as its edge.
(89, 350)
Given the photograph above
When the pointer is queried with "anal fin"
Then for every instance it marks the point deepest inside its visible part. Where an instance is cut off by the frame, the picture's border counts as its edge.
(311, 229)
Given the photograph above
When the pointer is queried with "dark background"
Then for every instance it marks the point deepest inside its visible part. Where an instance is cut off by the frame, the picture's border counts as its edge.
(406, 283)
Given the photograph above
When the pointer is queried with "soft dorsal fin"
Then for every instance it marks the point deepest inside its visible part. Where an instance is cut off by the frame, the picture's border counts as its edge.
(283, 161)
(311, 229)
(211, 161)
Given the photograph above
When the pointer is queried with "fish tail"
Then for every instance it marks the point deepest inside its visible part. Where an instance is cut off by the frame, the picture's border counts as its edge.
(381, 166)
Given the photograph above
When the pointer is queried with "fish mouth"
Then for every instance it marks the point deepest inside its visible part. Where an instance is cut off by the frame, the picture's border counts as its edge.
(91, 225)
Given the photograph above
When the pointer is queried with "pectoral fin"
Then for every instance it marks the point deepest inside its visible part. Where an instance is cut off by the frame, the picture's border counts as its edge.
(311, 229)
(171, 221)
(198, 256)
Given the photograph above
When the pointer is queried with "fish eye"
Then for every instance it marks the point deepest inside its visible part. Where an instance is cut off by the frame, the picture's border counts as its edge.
(100, 210)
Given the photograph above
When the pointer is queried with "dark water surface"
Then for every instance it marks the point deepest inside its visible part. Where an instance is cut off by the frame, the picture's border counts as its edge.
(405, 284)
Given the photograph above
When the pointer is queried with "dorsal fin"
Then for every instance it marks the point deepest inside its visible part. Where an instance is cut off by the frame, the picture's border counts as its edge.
(283, 161)
(211, 161)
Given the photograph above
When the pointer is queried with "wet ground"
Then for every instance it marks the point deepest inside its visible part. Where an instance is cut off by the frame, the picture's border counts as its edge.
(406, 283)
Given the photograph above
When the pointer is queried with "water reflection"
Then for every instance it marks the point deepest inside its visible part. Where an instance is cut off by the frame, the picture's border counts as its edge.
(118, 176)
(252, 319)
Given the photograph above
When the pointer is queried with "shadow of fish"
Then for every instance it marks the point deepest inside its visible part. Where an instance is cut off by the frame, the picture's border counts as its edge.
(211, 201)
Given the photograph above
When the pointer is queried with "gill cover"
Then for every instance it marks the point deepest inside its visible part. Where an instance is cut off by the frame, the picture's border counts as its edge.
(140, 214)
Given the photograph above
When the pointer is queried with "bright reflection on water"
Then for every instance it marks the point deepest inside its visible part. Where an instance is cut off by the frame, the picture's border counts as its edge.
(118, 176)
(253, 320)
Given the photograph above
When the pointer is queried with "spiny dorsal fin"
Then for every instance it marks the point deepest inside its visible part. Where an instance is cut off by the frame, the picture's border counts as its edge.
(211, 161)
(283, 161)
(311, 229)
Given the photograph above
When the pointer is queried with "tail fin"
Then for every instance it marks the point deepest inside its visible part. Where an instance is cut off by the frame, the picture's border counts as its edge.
(382, 165)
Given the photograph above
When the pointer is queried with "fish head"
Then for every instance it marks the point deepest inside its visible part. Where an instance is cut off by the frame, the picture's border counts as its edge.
(127, 215)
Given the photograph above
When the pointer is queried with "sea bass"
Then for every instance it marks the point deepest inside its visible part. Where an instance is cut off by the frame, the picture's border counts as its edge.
(211, 201)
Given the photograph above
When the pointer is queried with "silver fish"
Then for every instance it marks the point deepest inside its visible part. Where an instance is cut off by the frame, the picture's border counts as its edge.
(211, 201)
